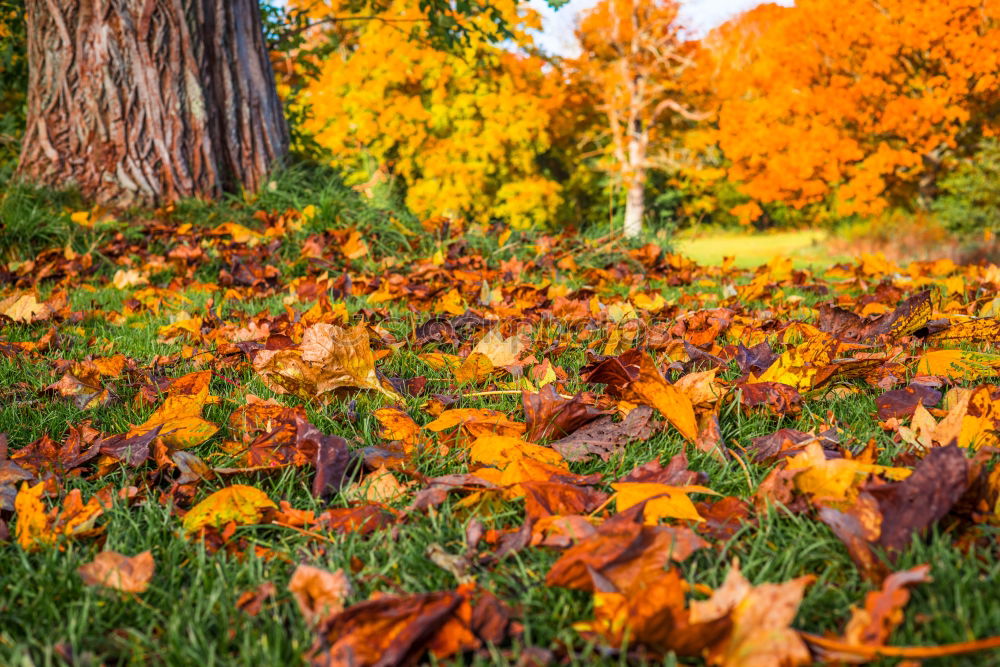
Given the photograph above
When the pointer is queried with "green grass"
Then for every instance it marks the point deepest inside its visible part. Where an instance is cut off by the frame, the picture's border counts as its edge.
(189, 614)
(806, 248)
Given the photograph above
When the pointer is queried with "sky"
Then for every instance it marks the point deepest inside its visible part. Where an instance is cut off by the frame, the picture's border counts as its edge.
(700, 15)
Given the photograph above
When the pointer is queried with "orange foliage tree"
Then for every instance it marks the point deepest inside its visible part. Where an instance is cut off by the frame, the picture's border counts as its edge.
(857, 103)
(461, 128)
(633, 60)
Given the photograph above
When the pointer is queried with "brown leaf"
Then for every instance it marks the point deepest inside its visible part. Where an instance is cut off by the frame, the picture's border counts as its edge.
(902, 402)
(910, 316)
(756, 359)
(779, 398)
(491, 617)
(551, 498)
(872, 624)
(858, 528)
(363, 519)
(549, 415)
(605, 437)
(110, 569)
(396, 630)
(789, 442)
(133, 450)
(251, 602)
(333, 460)
(923, 498)
(439, 487)
(44, 456)
(723, 518)
(675, 473)
(615, 372)
(622, 551)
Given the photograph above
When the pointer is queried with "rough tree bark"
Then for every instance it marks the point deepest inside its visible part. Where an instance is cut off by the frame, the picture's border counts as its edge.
(142, 102)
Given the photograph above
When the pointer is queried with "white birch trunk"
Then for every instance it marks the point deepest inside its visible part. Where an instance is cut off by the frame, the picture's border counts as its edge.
(635, 201)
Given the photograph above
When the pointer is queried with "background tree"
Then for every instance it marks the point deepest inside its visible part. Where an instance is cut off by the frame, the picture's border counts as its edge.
(458, 131)
(633, 58)
(859, 103)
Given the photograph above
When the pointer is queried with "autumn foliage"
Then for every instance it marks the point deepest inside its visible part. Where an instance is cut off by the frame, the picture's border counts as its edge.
(315, 424)
(859, 104)
(828, 109)
(459, 130)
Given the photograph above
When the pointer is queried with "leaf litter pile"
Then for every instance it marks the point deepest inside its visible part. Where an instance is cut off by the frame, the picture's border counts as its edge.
(490, 449)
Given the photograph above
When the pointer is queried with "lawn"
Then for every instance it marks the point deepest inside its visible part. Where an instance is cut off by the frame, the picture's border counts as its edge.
(805, 247)
(212, 310)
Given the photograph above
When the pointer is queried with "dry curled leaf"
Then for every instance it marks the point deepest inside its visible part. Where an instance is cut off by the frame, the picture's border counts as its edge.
(329, 359)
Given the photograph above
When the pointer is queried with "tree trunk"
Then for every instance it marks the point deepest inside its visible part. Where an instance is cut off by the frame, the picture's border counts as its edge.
(635, 208)
(143, 102)
(635, 182)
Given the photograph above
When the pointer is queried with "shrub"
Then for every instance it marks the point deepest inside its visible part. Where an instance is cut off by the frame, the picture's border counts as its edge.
(970, 200)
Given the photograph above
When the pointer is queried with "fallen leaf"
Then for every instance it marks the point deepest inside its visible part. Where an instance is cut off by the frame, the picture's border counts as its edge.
(238, 503)
(761, 619)
(622, 551)
(604, 437)
(882, 612)
(662, 501)
(319, 593)
(329, 359)
(397, 630)
(110, 569)
(549, 415)
(959, 364)
(653, 390)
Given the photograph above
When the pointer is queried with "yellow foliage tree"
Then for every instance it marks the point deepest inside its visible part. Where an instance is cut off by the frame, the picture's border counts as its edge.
(462, 128)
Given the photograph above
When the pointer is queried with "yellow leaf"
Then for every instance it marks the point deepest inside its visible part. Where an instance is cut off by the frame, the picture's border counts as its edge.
(798, 366)
(500, 450)
(451, 303)
(440, 361)
(959, 364)
(644, 302)
(32, 522)
(238, 503)
(329, 359)
(82, 218)
(24, 308)
(665, 501)
(179, 416)
(354, 247)
(131, 278)
(239, 233)
(499, 350)
(475, 368)
(835, 479)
